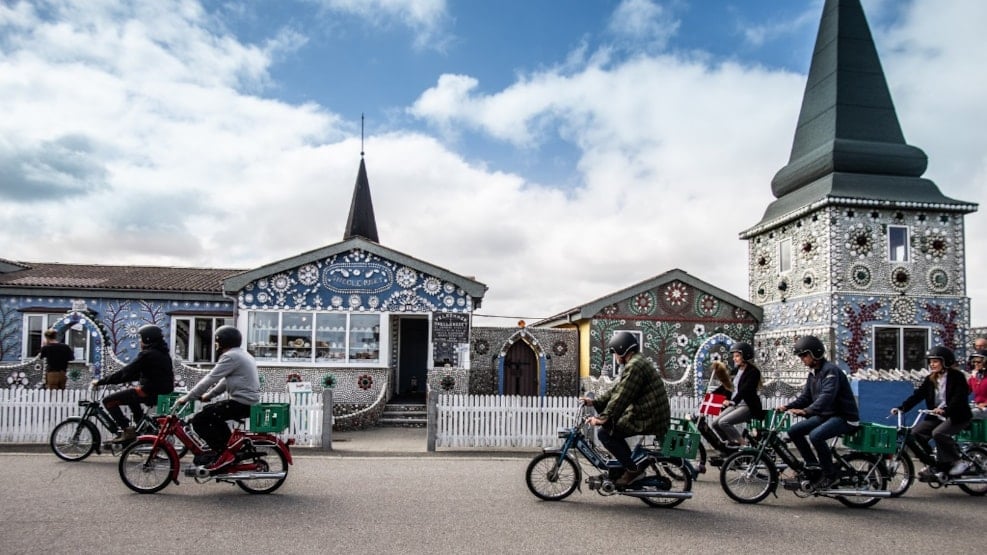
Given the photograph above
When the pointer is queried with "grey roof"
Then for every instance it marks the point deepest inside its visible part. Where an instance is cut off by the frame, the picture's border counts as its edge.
(473, 288)
(361, 221)
(592, 308)
(848, 142)
(44, 276)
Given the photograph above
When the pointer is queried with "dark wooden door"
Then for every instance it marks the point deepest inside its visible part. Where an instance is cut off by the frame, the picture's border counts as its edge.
(520, 370)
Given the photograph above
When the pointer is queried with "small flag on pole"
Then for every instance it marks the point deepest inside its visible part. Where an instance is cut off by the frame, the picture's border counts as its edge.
(712, 404)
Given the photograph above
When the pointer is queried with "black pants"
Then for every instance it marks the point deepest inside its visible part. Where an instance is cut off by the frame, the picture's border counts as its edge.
(133, 398)
(616, 443)
(210, 422)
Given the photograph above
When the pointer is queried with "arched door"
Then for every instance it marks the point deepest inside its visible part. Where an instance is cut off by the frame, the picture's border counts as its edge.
(520, 370)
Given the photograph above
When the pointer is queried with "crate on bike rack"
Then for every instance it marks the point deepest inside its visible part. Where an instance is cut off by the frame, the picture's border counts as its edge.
(167, 400)
(269, 417)
(873, 438)
(681, 440)
(762, 424)
(976, 433)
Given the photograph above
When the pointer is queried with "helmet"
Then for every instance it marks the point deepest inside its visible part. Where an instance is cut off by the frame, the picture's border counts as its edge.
(745, 350)
(942, 353)
(150, 334)
(978, 354)
(810, 344)
(622, 343)
(228, 337)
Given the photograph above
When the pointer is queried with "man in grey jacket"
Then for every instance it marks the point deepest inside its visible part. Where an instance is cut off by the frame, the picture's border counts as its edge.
(236, 374)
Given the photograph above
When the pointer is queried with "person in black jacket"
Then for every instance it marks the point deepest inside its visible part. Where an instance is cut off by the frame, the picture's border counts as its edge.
(946, 393)
(744, 402)
(153, 371)
(829, 408)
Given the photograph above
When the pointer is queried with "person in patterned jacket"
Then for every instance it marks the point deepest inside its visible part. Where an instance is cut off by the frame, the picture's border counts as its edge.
(636, 405)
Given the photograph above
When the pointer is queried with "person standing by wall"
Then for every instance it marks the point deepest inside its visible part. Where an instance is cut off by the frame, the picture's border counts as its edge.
(57, 356)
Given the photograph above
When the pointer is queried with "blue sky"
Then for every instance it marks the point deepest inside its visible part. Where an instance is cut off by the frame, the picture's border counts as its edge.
(525, 143)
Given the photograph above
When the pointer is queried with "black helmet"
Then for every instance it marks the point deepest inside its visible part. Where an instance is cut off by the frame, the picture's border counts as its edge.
(977, 354)
(150, 334)
(745, 350)
(810, 344)
(623, 342)
(228, 337)
(942, 353)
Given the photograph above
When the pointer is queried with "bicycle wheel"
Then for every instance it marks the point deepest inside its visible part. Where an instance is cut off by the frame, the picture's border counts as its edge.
(679, 479)
(901, 473)
(74, 439)
(144, 473)
(977, 455)
(748, 477)
(268, 458)
(550, 479)
(869, 475)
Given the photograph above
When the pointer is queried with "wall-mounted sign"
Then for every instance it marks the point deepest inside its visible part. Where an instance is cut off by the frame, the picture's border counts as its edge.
(450, 327)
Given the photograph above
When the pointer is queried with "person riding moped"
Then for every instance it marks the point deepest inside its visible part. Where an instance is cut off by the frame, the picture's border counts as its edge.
(636, 405)
(153, 371)
(744, 402)
(236, 374)
(829, 408)
(946, 393)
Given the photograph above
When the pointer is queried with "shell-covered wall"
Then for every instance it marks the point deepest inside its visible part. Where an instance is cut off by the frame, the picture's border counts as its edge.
(560, 347)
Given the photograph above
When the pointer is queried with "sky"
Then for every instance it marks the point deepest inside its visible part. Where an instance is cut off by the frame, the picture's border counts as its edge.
(555, 150)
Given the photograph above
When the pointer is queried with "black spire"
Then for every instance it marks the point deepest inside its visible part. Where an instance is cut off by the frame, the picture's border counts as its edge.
(848, 142)
(361, 221)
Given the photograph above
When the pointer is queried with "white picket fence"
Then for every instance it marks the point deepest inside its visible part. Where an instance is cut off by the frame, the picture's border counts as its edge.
(28, 415)
(501, 421)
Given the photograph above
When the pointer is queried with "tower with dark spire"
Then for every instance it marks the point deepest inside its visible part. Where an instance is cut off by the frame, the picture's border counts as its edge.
(361, 221)
(857, 248)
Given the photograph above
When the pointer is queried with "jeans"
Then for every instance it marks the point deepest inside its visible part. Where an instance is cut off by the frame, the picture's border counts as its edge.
(726, 423)
(942, 431)
(133, 398)
(210, 422)
(617, 445)
(820, 430)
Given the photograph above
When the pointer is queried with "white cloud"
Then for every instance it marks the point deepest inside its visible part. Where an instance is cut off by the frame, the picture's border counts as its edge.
(643, 22)
(423, 17)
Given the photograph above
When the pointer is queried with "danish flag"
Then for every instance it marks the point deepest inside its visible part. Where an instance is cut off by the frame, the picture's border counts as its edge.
(712, 404)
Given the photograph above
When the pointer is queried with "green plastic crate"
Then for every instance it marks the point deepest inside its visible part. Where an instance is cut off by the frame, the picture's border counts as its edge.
(167, 400)
(269, 417)
(873, 438)
(976, 433)
(763, 424)
(681, 440)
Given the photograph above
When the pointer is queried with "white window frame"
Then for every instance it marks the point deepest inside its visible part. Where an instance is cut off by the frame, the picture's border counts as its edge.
(318, 341)
(48, 320)
(905, 245)
(785, 255)
(192, 345)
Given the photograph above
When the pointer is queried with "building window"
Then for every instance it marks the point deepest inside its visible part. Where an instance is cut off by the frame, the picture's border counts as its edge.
(900, 348)
(192, 337)
(74, 336)
(897, 243)
(314, 337)
(784, 255)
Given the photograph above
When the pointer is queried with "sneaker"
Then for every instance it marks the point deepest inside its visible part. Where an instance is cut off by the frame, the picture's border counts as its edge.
(959, 468)
(926, 474)
(204, 458)
(629, 477)
(126, 436)
(828, 482)
(224, 459)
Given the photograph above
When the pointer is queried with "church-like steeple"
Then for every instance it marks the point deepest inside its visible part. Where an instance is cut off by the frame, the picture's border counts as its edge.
(848, 142)
(361, 221)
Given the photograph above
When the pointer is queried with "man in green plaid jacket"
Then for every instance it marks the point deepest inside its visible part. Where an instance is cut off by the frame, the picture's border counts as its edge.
(636, 405)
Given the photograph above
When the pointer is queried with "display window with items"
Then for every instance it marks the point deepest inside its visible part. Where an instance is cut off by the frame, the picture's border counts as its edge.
(314, 337)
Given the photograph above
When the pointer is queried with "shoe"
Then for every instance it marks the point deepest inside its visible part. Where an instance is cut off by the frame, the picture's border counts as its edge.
(927, 474)
(204, 458)
(224, 459)
(126, 436)
(828, 482)
(629, 477)
(959, 468)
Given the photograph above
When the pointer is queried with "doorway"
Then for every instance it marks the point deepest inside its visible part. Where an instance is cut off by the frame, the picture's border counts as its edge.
(520, 370)
(412, 359)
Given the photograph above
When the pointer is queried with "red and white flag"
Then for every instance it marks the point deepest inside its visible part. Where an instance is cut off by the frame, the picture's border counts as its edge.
(712, 404)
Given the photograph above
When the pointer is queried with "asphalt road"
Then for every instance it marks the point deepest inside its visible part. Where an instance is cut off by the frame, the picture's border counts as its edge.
(444, 504)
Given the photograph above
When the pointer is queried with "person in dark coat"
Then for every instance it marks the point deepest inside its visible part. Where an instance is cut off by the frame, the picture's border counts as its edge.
(153, 371)
(744, 402)
(946, 393)
(636, 405)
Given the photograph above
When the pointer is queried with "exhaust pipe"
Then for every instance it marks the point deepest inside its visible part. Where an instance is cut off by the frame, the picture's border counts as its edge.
(854, 493)
(252, 476)
(665, 494)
